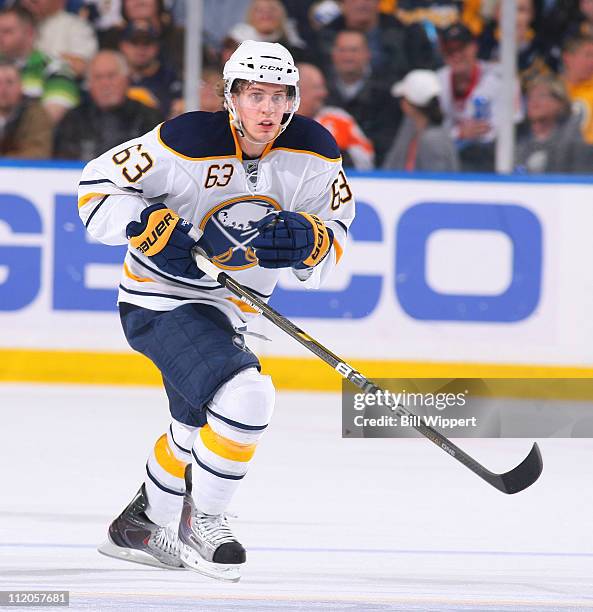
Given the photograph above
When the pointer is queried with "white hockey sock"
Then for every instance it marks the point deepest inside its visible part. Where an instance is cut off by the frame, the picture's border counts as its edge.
(218, 466)
(237, 417)
(165, 484)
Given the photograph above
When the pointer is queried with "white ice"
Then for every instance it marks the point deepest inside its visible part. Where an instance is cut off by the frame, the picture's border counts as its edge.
(329, 524)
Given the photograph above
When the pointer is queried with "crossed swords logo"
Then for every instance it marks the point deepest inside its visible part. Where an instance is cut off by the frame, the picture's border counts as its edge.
(250, 234)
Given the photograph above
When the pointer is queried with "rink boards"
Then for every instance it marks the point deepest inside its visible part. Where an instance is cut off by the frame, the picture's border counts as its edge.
(441, 276)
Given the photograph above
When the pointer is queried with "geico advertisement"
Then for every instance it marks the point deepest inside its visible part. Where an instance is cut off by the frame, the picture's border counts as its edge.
(434, 270)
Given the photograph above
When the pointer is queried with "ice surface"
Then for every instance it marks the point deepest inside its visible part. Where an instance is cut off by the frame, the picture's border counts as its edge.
(329, 524)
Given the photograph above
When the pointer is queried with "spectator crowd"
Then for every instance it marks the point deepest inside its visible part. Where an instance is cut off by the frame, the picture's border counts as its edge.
(411, 85)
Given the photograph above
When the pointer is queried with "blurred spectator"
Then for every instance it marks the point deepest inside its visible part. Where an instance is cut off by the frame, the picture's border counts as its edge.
(550, 139)
(530, 50)
(108, 118)
(357, 150)
(25, 127)
(45, 78)
(353, 88)
(577, 59)
(102, 14)
(421, 143)
(560, 21)
(62, 34)
(152, 82)
(210, 99)
(310, 15)
(470, 99)
(569, 19)
(395, 48)
(322, 13)
(219, 17)
(438, 13)
(267, 22)
(154, 14)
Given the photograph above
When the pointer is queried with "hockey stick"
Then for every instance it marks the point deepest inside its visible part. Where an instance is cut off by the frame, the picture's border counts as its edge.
(513, 481)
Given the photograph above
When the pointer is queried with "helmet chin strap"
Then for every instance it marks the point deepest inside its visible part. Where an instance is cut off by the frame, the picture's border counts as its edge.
(243, 133)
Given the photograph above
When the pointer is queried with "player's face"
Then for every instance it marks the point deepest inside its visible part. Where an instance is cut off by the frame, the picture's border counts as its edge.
(261, 107)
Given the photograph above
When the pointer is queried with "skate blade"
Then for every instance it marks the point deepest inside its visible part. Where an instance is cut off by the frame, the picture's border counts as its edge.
(135, 556)
(193, 561)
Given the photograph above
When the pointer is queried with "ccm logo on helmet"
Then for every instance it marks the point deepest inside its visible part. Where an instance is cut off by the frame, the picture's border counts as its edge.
(271, 68)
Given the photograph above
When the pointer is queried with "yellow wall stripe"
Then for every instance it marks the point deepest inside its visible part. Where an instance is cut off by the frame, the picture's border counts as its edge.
(167, 460)
(78, 367)
(225, 448)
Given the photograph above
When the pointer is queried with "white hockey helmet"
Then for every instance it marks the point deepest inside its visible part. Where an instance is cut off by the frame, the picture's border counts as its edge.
(262, 62)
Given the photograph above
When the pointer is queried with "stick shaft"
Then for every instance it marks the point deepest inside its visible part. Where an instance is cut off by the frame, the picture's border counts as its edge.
(360, 381)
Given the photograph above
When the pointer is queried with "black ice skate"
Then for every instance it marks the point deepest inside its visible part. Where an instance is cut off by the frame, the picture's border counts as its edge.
(134, 537)
(208, 545)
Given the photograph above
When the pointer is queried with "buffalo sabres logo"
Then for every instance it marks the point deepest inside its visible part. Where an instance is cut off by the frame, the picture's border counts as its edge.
(231, 226)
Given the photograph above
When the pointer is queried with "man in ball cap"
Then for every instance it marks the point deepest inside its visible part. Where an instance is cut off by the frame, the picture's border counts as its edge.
(470, 98)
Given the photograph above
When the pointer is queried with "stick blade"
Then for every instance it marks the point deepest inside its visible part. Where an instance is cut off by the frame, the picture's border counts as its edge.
(522, 476)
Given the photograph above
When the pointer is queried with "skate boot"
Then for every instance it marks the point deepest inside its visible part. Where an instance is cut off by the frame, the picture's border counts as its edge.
(134, 537)
(208, 545)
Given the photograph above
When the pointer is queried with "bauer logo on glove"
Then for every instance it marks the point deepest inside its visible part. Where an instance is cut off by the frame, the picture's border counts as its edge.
(290, 239)
(160, 226)
(164, 236)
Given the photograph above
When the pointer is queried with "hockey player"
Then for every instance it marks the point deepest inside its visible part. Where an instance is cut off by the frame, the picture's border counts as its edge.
(259, 190)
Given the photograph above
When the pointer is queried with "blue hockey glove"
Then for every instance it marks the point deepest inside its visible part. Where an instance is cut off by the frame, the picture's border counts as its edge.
(292, 240)
(163, 235)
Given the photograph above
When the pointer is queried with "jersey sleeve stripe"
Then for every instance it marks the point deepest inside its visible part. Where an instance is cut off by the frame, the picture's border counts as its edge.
(88, 221)
(342, 225)
(103, 181)
(172, 279)
(138, 279)
(85, 199)
(95, 182)
(339, 250)
(151, 294)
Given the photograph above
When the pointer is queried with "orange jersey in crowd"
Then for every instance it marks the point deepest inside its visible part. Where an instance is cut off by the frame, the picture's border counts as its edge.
(581, 95)
(350, 138)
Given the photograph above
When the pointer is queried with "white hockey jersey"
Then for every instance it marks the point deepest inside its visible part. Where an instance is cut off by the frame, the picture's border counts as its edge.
(194, 165)
(487, 84)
